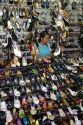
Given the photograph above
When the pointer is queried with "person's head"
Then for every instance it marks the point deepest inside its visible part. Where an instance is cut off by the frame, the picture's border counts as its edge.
(44, 37)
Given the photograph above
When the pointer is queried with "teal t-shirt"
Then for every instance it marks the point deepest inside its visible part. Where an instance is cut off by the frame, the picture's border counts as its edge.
(44, 50)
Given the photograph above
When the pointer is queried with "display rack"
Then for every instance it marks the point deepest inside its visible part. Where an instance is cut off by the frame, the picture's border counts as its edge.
(47, 94)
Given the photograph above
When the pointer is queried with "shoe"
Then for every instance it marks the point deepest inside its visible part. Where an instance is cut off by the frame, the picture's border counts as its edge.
(16, 50)
(53, 96)
(47, 4)
(73, 93)
(53, 77)
(28, 90)
(24, 61)
(9, 117)
(10, 105)
(33, 110)
(63, 95)
(21, 114)
(43, 88)
(77, 121)
(9, 25)
(50, 116)
(17, 103)
(50, 105)
(25, 121)
(62, 114)
(54, 87)
(50, 69)
(22, 82)
(17, 93)
(72, 122)
(43, 4)
(57, 52)
(35, 100)
(19, 122)
(17, 26)
(73, 112)
(4, 95)
(3, 106)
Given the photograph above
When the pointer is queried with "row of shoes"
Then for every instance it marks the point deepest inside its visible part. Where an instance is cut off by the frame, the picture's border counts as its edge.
(17, 2)
(61, 98)
(32, 105)
(22, 118)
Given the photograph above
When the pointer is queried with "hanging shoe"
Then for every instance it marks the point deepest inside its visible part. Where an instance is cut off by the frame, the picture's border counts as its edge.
(17, 25)
(17, 50)
(47, 4)
(43, 4)
(24, 61)
(9, 25)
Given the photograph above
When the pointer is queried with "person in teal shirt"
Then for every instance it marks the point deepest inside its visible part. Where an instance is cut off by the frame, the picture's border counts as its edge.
(41, 50)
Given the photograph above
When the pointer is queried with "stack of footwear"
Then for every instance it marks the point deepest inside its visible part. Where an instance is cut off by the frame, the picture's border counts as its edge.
(44, 96)
(47, 93)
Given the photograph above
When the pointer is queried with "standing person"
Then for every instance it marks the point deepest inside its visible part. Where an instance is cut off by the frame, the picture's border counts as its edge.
(41, 50)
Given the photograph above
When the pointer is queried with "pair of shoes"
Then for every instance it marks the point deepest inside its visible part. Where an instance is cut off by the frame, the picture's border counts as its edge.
(45, 4)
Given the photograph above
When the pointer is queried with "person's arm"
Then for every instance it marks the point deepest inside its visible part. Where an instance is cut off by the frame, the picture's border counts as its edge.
(34, 51)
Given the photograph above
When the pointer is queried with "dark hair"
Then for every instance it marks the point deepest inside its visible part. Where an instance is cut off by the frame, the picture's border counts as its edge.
(42, 35)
